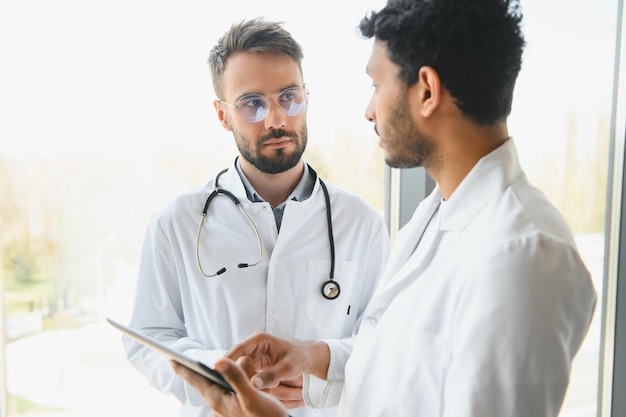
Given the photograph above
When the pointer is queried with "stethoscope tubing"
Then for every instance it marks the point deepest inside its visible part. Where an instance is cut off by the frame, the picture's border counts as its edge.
(331, 238)
(237, 203)
(330, 288)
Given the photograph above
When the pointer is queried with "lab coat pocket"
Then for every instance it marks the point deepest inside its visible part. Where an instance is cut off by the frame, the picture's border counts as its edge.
(332, 317)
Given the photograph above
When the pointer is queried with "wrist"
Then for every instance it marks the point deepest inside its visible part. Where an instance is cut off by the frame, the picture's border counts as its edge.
(318, 355)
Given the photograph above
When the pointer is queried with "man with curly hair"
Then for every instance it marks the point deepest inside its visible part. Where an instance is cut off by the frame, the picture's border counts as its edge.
(485, 300)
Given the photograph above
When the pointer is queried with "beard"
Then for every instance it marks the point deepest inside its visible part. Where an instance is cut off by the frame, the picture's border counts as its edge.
(406, 146)
(280, 160)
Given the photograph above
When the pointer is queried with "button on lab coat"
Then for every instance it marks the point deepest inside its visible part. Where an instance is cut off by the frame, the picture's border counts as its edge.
(486, 322)
(204, 317)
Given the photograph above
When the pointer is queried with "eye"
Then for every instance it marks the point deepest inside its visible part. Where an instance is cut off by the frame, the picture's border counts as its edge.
(289, 95)
(254, 102)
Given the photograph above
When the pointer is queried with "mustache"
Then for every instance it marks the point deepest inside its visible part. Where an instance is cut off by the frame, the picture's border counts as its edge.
(277, 133)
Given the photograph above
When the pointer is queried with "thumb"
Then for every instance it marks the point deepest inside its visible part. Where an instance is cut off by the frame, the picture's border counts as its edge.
(235, 376)
(271, 377)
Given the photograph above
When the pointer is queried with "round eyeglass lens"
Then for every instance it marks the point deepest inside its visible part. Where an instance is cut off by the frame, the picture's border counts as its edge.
(254, 107)
(292, 101)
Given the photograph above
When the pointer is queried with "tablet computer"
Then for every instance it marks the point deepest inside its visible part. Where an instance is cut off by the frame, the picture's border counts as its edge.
(210, 374)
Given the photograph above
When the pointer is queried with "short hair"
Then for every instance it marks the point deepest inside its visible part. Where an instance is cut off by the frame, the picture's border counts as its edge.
(255, 35)
(474, 45)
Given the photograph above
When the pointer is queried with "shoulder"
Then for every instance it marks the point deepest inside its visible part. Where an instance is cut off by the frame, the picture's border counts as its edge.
(185, 204)
(536, 265)
(520, 216)
(522, 243)
(540, 212)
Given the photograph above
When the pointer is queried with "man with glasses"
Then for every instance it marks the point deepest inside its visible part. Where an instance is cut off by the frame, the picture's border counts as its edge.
(320, 250)
(485, 300)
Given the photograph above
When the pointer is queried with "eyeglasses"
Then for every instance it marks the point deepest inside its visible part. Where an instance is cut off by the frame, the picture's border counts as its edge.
(254, 107)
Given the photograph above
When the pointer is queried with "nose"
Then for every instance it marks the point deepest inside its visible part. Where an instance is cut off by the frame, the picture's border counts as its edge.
(370, 110)
(276, 118)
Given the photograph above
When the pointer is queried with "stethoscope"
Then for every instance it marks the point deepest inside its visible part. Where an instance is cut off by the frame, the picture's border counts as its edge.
(330, 289)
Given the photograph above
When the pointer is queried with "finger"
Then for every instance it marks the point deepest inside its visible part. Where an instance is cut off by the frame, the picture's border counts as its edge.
(248, 346)
(188, 375)
(285, 393)
(247, 402)
(235, 376)
(250, 401)
(247, 365)
(293, 404)
(272, 376)
(238, 351)
(212, 393)
(293, 382)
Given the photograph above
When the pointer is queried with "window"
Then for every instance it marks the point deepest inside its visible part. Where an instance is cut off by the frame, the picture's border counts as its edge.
(564, 140)
(106, 113)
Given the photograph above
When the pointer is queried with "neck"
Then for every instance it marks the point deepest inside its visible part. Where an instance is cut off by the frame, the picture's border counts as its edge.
(273, 188)
(460, 150)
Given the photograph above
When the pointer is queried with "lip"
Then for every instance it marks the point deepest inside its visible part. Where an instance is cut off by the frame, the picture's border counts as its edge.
(278, 142)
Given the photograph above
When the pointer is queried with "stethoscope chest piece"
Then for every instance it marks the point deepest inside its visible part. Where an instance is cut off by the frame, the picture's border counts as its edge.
(330, 290)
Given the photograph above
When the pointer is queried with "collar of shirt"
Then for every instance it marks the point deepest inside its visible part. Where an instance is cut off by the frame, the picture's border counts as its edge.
(303, 190)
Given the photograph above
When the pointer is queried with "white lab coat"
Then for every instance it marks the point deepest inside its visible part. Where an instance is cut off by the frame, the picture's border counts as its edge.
(487, 323)
(204, 317)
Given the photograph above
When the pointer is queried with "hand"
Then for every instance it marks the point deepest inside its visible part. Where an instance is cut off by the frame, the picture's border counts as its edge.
(268, 359)
(247, 402)
(288, 392)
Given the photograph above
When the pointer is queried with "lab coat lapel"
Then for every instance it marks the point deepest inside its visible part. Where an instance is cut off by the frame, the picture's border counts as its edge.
(496, 170)
(410, 235)
(401, 269)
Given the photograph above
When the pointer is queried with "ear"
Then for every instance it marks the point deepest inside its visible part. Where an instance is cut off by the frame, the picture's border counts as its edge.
(429, 91)
(221, 115)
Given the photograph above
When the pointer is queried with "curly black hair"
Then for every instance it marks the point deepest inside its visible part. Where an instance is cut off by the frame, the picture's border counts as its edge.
(474, 45)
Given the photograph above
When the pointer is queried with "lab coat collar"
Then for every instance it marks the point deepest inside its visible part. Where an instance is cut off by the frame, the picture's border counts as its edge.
(490, 176)
(232, 182)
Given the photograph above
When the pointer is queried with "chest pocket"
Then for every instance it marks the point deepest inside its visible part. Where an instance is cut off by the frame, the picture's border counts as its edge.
(331, 316)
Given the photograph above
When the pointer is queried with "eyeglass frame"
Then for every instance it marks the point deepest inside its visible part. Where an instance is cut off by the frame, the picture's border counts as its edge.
(268, 97)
